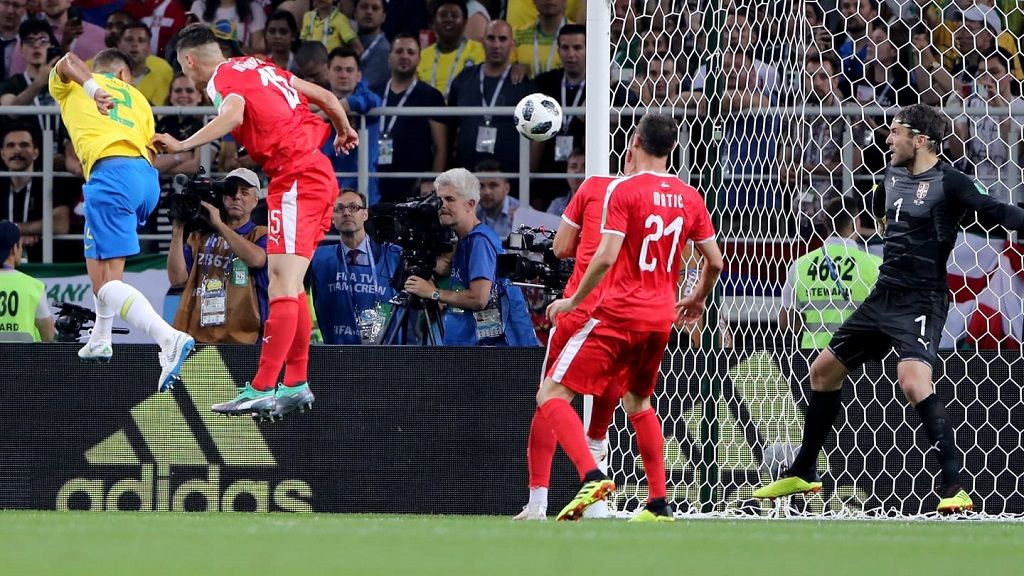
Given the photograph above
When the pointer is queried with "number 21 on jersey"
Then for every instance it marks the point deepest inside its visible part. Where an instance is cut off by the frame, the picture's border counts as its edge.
(656, 231)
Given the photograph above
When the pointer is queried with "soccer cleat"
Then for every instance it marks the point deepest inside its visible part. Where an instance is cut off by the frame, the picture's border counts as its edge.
(958, 502)
(646, 515)
(249, 401)
(532, 513)
(788, 486)
(599, 450)
(591, 492)
(172, 357)
(96, 352)
(288, 399)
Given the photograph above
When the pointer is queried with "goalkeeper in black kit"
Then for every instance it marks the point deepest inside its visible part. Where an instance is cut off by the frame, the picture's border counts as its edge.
(921, 204)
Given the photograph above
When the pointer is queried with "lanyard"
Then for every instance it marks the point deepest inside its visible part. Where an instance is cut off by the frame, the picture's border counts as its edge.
(211, 243)
(575, 102)
(26, 193)
(536, 50)
(451, 71)
(366, 51)
(373, 274)
(497, 90)
(389, 126)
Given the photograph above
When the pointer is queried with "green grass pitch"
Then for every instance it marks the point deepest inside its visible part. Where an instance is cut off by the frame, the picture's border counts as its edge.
(227, 543)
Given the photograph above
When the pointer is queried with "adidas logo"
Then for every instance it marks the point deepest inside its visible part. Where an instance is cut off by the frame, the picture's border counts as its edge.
(209, 463)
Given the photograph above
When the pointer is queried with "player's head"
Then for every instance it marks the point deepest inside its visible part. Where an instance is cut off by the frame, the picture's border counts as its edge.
(311, 61)
(404, 57)
(198, 53)
(350, 213)
(493, 188)
(916, 129)
(459, 191)
(656, 136)
(114, 62)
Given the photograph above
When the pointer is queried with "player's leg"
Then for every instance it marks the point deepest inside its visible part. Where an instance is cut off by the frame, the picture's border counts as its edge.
(541, 442)
(120, 196)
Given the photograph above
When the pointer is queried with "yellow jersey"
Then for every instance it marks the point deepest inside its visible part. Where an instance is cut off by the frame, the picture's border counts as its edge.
(521, 13)
(439, 68)
(127, 130)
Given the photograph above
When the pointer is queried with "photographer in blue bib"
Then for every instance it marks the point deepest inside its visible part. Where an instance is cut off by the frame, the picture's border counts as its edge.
(220, 256)
(353, 280)
(483, 309)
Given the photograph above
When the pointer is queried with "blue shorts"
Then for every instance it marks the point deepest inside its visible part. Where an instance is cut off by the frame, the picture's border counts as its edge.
(120, 195)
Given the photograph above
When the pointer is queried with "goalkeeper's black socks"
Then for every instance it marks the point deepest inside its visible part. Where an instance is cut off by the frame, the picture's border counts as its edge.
(659, 507)
(940, 435)
(594, 475)
(821, 413)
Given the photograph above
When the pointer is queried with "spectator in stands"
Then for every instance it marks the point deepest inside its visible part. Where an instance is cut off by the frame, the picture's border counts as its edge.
(476, 23)
(496, 207)
(403, 138)
(282, 38)
(30, 87)
(405, 17)
(567, 85)
(980, 35)
(886, 79)
(30, 320)
(347, 84)
(242, 20)
(823, 141)
(223, 267)
(443, 60)
(930, 78)
(21, 197)
(536, 43)
(742, 39)
(311, 63)
(11, 14)
(577, 168)
(353, 280)
(374, 59)
(329, 26)
(483, 309)
(72, 34)
(522, 12)
(114, 27)
(660, 84)
(852, 49)
(989, 143)
(164, 18)
(488, 85)
(151, 74)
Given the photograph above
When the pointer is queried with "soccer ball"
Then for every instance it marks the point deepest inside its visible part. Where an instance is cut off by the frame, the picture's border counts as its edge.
(538, 117)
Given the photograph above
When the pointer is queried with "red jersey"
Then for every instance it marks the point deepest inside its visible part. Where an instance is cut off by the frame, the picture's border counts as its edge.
(584, 213)
(656, 214)
(278, 129)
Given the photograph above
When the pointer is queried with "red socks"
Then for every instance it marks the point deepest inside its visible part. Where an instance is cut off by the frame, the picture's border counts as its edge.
(652, 450)
(540, 451)
(297, 362)
(601, 413)
(568, 428)
(278, 334)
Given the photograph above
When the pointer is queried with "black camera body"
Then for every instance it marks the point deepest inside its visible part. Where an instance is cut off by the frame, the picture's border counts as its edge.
(531, 260)
(186, 204)
(415, 227)
(73, 320)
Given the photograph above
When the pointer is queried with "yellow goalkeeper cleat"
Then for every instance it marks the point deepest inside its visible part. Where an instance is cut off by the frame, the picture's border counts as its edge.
(646, 515)
(959, 502)
(591, 492)
(788, 486)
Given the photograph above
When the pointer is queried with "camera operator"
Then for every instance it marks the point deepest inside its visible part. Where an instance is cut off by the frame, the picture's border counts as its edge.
(223, 267)
(25, 314)
(483, 309)
(353, 280)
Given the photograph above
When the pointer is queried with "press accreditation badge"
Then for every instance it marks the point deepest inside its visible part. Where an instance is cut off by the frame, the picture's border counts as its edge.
(488, 323)
(563, 148)
(385, 151)
(486, 138)
(239, 272)
(371, 322)
(212, 303)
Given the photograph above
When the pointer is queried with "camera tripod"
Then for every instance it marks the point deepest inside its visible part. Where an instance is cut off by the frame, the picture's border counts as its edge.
(398, 323)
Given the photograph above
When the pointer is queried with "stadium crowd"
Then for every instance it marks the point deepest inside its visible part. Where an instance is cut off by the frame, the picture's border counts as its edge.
(787, 69)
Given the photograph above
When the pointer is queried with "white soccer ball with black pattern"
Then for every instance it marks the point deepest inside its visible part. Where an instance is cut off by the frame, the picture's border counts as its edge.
(538, 117)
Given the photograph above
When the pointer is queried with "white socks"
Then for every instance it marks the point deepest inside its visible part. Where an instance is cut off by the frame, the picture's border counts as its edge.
(128, 303)
(538, 498)
(104, 322)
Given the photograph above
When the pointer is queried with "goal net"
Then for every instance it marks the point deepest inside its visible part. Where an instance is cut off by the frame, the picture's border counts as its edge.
(784, 107)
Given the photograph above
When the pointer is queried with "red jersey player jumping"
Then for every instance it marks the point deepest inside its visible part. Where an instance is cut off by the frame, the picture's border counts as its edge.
(267, 111)
(648, 217)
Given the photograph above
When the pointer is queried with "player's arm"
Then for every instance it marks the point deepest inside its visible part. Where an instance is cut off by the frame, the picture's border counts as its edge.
(567, 239)
(71, 68)
(600, 264)
(229, 117)
(327, 102)
(991, 212)
(691, 308)
(878, 203)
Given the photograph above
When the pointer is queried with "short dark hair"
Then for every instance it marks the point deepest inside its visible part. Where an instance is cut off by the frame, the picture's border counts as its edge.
(839, 210)
(111, 57)
(407, 36)
(578, 151)
(489, 165)
(362, 197)
(658, 134)
(22, 126)
(195, 35)
(570, 29)
(288, 19)
(344, 52)
(311, 52)
(135, 24)
(34, 26)
(460, 3)
(926, 121)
